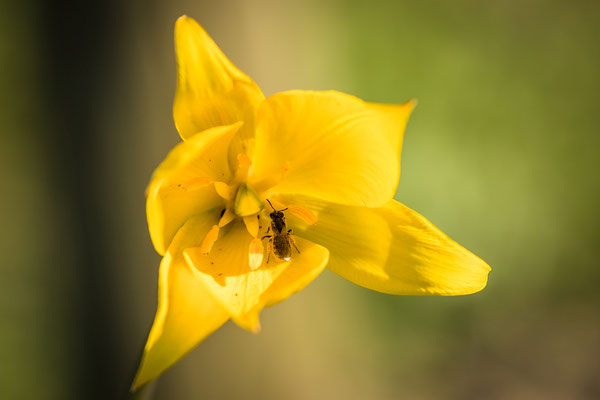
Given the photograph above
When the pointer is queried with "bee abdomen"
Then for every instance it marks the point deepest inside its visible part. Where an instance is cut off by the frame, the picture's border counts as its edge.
(281, 247)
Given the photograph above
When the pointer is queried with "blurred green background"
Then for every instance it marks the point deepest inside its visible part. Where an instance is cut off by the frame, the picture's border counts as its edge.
(501, 154)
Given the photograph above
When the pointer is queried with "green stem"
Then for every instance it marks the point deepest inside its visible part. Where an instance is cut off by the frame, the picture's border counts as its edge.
(146, 392)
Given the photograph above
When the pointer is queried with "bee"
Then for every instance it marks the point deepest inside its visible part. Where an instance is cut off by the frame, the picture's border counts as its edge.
(281, 241)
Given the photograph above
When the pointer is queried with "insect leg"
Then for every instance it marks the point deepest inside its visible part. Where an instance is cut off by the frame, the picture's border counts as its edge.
(267, 234)
(292, 241)
(269, 249)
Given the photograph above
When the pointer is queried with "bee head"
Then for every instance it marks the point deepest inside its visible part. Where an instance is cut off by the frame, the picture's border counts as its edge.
(276, 215)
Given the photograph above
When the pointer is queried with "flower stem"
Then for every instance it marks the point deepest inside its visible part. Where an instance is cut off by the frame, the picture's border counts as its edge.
(146, 392)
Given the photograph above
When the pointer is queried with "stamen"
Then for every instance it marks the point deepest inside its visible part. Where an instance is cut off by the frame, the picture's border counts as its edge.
(251, 225)
(227, 217)
(244, 163)
(224, 190)
(304, 214)
(255, 253)
(210, 239)
(196, 183)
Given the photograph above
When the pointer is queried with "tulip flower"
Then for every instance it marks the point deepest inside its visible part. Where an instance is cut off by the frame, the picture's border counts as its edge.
(263, 193)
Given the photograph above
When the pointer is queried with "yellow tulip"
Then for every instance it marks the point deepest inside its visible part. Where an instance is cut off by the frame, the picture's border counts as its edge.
(329, 162)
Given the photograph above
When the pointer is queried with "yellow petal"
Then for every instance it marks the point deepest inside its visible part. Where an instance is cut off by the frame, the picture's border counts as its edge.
(178, 189)
(303, 269)
(392, 249)
(211, 91)
(244, 291)
(187, 311)
(332, 146)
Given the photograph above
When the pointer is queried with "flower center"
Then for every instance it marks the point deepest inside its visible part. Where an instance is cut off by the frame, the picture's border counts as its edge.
(244, 202)
(247, 201)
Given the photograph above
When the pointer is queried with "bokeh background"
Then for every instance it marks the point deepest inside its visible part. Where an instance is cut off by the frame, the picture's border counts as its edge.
(501, 154)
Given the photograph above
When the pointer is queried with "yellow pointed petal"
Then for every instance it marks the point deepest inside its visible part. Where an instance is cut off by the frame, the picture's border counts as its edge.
(211, 91)
(330, 145)
(303, 269)
(187, 311)
(392, 249)
(178, 189)
(300, 272)
(244, 291)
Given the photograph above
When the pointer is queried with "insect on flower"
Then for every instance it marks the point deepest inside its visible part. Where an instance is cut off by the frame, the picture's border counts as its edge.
(329, 160)
(281, 241)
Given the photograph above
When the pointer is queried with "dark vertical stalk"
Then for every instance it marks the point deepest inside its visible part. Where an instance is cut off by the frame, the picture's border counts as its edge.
(77, 39)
